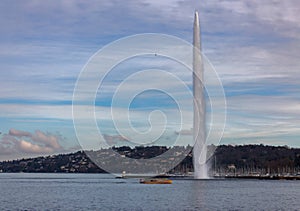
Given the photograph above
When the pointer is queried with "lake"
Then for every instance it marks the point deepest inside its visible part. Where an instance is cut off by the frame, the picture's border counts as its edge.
(24, 191)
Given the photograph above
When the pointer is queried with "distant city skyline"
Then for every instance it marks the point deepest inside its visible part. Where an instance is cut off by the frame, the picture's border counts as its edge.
(254, 47)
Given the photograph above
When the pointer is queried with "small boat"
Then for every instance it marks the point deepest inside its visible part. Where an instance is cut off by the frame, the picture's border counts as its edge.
(122, 176)
(156, 181)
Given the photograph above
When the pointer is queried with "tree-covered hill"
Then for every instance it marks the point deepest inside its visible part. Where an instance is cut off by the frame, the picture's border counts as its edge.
(246, 158)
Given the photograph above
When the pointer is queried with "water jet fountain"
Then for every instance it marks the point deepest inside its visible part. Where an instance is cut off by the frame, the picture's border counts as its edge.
(199, 134)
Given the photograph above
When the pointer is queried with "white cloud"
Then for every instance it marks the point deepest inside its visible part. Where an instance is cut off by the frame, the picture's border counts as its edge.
(263, 118)
(16, 110)
(27, 147)
(24, 143)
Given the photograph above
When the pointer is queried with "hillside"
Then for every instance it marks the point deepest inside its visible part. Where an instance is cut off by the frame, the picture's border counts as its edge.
(246, 158)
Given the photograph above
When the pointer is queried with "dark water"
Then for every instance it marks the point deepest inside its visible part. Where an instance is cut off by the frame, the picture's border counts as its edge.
(104, 192)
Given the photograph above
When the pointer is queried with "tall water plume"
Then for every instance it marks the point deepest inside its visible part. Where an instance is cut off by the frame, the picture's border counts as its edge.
(199, 135)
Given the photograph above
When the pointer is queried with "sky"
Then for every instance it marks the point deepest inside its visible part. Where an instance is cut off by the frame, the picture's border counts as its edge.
(253, 45)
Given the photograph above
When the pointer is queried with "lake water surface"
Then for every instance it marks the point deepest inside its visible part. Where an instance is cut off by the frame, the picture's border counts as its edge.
(104, 192)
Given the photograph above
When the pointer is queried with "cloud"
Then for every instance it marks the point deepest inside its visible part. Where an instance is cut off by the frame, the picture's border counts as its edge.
(185, 132)
(18, 133)
(115, 139)
(254, 46)
(272, 12)
(260, 118)
(19, 110)
(48, 140)
(18, 142)
(28, 147)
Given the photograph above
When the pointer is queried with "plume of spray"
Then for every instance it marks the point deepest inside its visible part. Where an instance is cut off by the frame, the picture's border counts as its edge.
(199, 134)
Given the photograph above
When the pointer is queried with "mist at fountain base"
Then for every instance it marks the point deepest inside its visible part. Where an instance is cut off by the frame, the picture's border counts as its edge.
(201, 172)
(201, 166)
